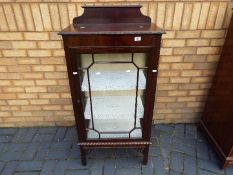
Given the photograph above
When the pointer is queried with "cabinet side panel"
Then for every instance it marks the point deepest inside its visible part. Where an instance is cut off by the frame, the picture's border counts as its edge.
(151, 88)
(218, 113)
(79, 119)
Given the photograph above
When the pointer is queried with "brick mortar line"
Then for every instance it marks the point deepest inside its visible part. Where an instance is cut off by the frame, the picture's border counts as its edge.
(193, 2)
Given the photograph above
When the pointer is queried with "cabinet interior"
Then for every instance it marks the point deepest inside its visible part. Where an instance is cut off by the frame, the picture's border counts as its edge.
(113, 86)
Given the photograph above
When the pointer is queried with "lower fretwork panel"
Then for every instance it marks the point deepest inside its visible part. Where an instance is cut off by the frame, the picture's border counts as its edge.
(140, 143)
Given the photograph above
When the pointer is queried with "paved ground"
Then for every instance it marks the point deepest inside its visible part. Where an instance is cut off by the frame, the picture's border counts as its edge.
(176, 150)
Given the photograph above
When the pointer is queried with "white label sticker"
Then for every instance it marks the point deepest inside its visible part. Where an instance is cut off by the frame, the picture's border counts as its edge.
(137, 38)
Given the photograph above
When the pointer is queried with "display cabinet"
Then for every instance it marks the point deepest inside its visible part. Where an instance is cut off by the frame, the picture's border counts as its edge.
(112, 55)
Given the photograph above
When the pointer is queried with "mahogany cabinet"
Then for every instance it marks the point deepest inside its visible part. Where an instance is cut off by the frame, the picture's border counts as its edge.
(217, 119)
(112, 55)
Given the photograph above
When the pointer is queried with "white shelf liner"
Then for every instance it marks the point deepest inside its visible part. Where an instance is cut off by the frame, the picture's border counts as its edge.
(109, 125)
(114, 80)
(114, 107)
(115, 125)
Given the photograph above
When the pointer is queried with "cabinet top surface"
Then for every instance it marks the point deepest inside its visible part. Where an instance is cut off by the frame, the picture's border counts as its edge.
(112, 20)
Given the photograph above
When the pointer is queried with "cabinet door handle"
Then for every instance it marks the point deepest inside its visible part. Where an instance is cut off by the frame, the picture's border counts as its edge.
(75, 73)
(154, 70)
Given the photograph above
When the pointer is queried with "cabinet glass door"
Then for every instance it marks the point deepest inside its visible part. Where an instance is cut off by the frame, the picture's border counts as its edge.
(113, 89)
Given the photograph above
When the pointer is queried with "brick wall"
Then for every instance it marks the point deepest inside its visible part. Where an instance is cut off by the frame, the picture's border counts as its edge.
(34, 86)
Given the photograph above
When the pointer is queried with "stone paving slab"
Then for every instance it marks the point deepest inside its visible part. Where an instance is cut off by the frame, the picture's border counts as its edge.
(177, 149)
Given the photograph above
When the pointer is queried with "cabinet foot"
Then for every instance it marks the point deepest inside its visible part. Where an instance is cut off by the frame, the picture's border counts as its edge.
(83, 156)
(226, 164)
(145, 155)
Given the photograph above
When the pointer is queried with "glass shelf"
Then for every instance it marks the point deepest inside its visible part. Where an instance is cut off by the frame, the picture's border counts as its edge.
(114, 107)
(114, 80)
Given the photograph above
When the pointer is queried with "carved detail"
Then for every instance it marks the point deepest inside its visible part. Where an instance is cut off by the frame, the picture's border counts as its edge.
(112, 143)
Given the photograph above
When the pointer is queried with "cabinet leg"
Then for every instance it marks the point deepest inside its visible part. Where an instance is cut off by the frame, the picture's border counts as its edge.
(83, 156)
(145, 155)
(225, 164)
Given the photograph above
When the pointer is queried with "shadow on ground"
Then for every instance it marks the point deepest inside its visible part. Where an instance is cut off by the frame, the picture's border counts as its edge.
(176, 150)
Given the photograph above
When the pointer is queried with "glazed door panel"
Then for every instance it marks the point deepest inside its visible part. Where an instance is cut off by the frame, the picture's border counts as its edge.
(112, 89)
